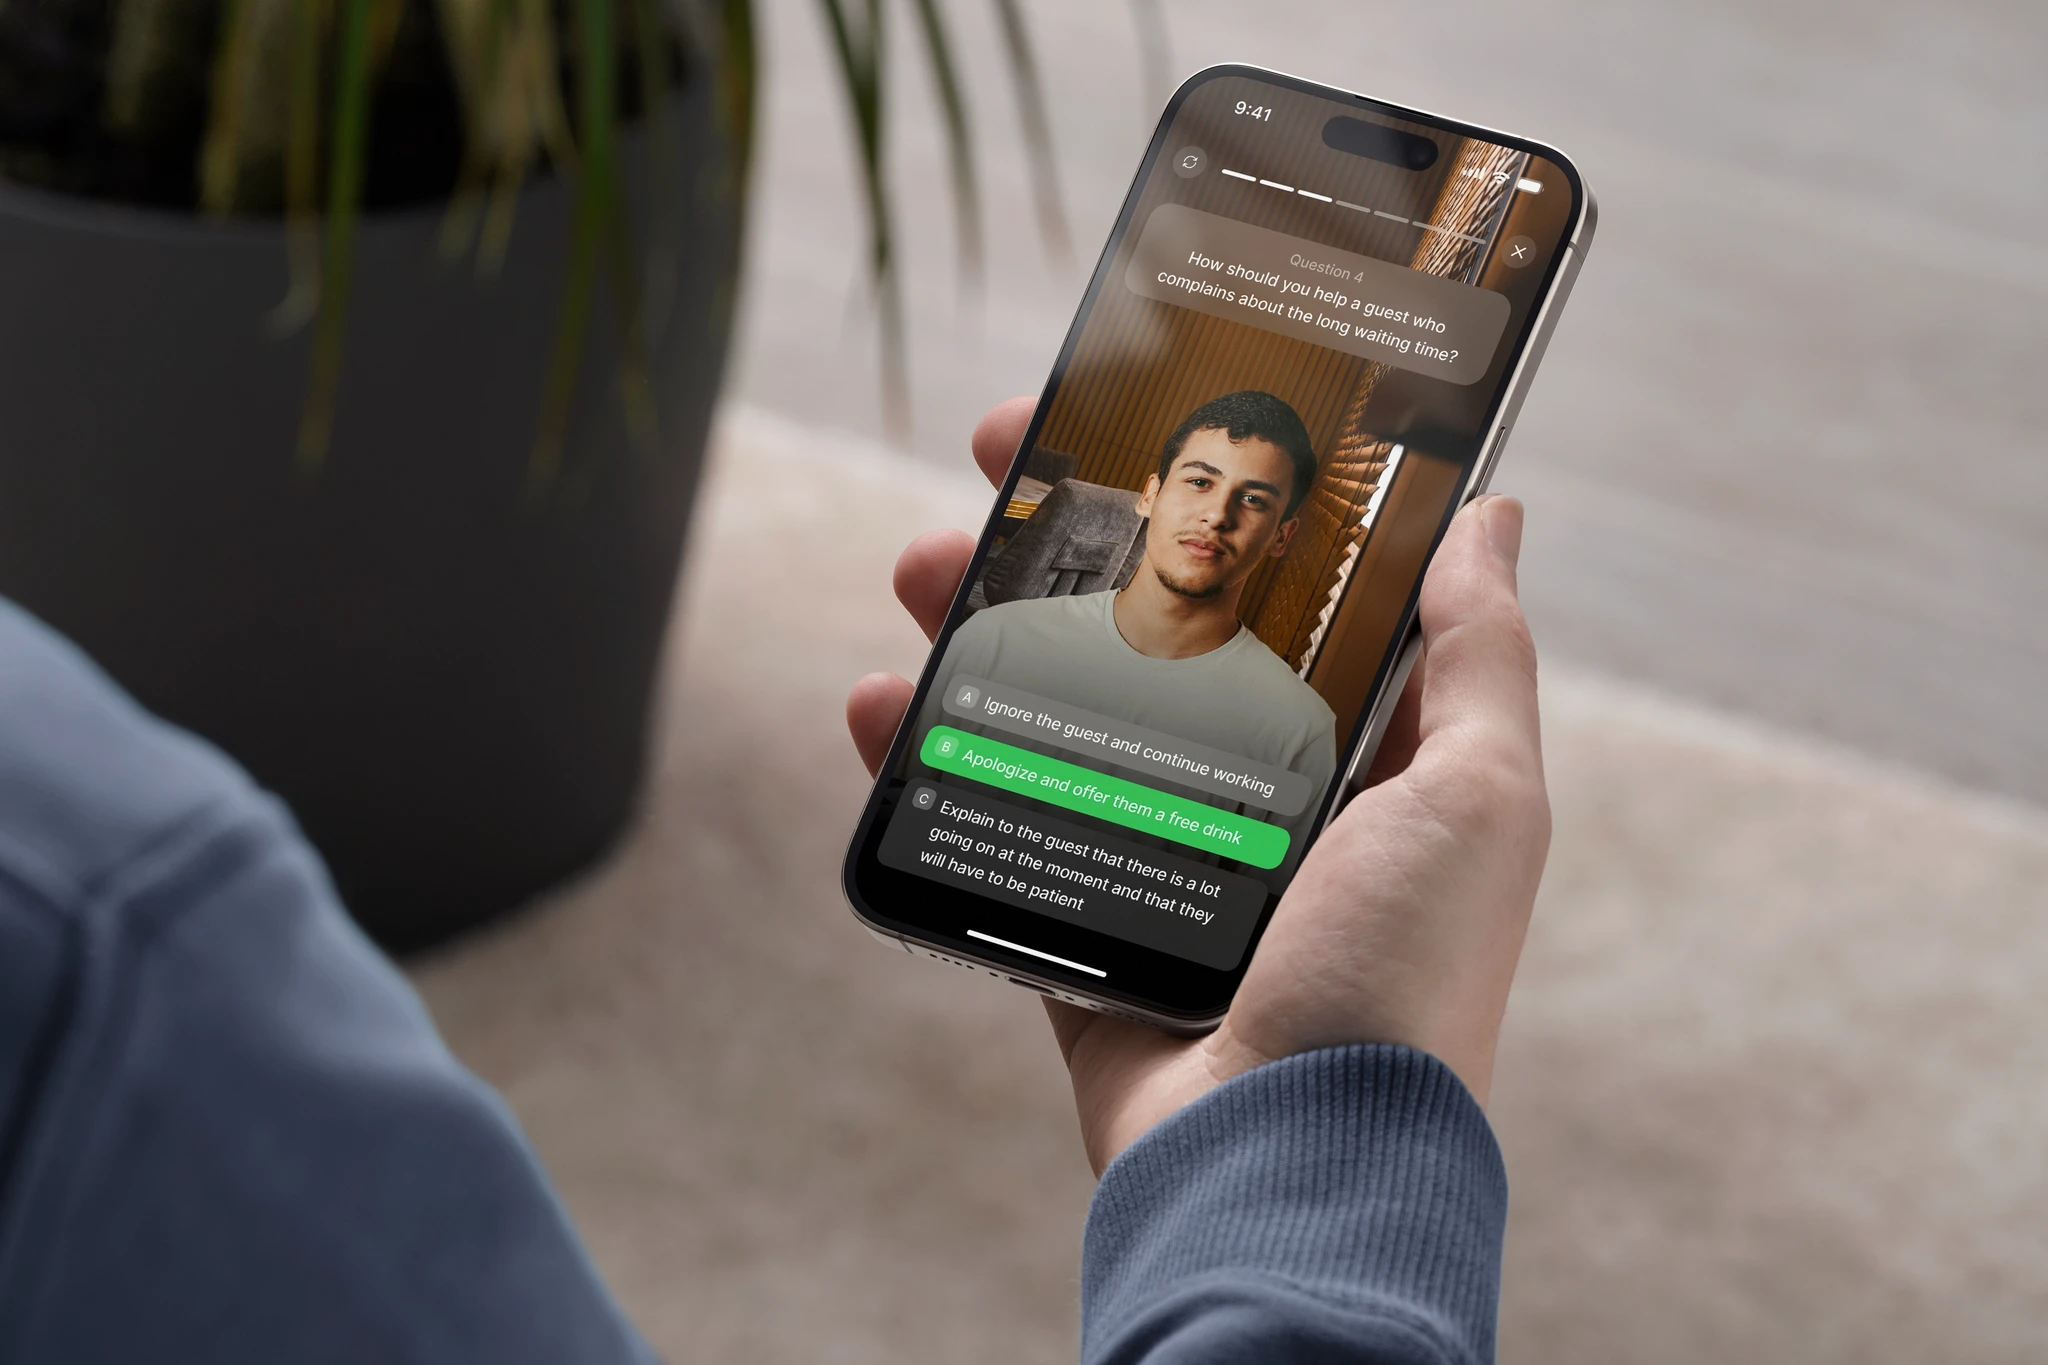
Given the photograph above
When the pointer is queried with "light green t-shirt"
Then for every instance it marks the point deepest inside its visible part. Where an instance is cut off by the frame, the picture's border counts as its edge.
(1240, 697)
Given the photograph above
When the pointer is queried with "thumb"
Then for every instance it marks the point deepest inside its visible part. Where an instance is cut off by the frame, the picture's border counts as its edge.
(1479, 683)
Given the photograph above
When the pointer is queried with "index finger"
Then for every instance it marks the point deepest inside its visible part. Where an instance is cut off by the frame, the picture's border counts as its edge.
(1479, 684)
(998, 435)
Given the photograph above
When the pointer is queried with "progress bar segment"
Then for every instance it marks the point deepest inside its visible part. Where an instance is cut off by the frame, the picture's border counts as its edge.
(1527, 186)
(1453, 232)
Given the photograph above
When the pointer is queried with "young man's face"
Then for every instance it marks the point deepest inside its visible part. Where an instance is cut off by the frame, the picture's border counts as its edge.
(1221, 509)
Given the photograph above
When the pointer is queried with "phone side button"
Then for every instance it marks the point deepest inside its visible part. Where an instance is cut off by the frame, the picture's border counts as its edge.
(1500, 440)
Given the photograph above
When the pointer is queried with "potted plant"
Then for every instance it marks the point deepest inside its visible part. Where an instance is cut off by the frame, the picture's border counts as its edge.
(357, 358)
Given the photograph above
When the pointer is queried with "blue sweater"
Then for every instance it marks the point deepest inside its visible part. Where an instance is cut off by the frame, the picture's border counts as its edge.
(229, 1132)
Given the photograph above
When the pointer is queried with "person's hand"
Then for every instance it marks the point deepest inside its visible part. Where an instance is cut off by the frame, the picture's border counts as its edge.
(1405, 921)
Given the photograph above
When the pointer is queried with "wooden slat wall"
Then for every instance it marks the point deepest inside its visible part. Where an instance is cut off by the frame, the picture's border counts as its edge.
(1145, 366)
(1301, 587)
(1362, 631)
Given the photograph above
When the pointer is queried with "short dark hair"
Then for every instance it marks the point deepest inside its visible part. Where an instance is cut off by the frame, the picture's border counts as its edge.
(1244, 414)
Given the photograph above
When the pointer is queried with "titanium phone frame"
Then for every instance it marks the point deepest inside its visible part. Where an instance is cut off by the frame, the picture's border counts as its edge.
(1514, 388)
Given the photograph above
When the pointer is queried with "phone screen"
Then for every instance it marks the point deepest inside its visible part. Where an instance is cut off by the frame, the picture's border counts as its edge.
(1287, 364)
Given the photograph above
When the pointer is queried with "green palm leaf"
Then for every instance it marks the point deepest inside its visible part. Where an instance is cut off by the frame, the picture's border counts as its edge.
(959, 142)
(1031, 113)
(505, 54)
(857, 41)
(351, 135)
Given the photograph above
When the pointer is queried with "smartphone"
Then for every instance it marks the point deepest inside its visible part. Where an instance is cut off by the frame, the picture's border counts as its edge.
(1192, 607)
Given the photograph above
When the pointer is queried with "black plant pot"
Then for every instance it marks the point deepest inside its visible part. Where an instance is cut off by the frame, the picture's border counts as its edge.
(445, 671)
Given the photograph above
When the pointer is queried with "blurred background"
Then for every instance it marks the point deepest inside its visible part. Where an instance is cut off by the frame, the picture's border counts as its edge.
(1785, 459)
(1772, 1082)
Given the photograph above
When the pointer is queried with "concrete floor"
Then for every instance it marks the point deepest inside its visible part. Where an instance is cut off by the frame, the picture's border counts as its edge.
(1770, 1088)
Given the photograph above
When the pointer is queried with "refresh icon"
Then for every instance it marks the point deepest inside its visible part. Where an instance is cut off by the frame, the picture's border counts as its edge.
(1190, 162)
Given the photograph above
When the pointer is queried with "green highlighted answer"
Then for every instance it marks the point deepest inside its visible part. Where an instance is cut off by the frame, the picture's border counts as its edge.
(1129, 804)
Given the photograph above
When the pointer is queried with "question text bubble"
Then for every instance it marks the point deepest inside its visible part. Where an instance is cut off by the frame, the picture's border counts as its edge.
(1293, 286)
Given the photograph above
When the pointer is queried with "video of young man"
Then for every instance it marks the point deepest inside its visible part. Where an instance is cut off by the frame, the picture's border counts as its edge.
(1134, 607)
(1205, 561)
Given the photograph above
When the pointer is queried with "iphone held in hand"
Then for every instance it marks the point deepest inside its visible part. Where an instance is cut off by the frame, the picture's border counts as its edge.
(1192, 607)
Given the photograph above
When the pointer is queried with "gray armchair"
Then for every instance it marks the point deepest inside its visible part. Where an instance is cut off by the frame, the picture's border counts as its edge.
(1083, 538)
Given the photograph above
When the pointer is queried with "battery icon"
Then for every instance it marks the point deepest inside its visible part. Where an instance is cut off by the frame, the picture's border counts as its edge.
(1528, 186)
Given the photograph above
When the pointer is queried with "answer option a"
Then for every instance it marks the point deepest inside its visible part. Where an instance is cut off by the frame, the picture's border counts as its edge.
(1358, 304)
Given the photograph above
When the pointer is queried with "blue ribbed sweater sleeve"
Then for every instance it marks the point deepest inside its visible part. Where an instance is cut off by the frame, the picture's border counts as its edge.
(1345, 1205)
(228, 1130)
